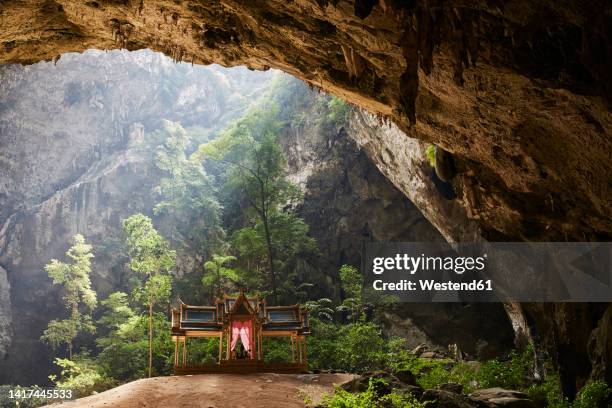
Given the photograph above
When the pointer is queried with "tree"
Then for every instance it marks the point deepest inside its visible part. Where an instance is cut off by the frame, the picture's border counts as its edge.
(352, 283)
(117, 311)
(256, 170)
(78, 295)
(217, 273)
(150, 256)
(187, 193)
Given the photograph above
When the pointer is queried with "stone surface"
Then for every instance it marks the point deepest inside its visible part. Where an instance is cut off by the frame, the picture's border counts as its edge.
(446, 399)
(499, 397)
(452, 387)
(406, 376)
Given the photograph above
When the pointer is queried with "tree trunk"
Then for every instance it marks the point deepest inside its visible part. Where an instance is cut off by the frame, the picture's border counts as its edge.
(73, 320)
(270, 258)
(150, 336)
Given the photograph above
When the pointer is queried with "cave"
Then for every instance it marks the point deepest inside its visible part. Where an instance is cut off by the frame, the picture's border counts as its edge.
(515, 96)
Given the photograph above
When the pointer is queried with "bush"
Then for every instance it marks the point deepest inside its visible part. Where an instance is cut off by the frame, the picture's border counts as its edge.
(370, 398)
(276, 350)
(81, 375)
(125, 352)
(596, 394)
(322, 347)
(430, 152)
(361, 347)
(548, 393)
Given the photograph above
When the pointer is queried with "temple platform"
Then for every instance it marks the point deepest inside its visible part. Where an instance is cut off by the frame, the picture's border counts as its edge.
(242, 367)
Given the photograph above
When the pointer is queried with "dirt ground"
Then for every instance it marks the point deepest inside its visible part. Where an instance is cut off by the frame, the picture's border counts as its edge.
(215, 391)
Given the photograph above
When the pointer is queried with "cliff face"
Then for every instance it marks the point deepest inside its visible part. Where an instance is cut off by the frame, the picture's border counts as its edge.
(349, 202)
(74, 160)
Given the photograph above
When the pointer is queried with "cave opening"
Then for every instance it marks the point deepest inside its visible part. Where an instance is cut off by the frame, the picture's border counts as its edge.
(89, 140)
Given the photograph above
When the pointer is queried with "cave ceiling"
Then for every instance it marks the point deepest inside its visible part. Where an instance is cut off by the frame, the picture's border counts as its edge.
(516, 91)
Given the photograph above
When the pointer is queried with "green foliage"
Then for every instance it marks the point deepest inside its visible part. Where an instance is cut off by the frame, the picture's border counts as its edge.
(548, 392)
(430, 152)
(187, 193)
(218, 274)
(151, 256)
(123, 351)
(148, 251)
(117, 311)
(352, 283)
(277, 350)
(594, 394)
(78, 295)
(203, 350)
(370, 398)
(320, 309)
(355, 347)
(253, 170)
(324, 346)
(338, 111)
(82, 375)
(362, 347)
(511, 373)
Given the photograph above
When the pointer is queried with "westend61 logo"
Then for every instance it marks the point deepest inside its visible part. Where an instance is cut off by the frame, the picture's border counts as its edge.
(413, 264)
(488, 272)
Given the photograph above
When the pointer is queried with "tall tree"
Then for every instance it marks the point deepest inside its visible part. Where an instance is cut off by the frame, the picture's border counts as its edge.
(78, 295)
(151, 256)
(217, 273)
(187, 193)
(352, 284)
(256, 170)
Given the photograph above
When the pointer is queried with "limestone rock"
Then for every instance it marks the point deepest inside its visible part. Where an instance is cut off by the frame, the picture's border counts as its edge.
(446, 399)
(499, 397)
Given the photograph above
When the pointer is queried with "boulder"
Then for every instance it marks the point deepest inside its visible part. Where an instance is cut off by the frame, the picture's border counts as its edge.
(360, 384)
(446, 399)
(499, 397)
(406, 376)
(452, 387)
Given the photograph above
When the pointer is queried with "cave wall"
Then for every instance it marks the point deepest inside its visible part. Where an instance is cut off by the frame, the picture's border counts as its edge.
(348, 202)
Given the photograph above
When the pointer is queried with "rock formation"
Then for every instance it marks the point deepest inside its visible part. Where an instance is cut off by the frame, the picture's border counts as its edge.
(516, 91)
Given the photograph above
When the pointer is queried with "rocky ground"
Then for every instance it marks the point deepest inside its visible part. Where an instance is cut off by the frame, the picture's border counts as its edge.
(216, 391)
(449, 395)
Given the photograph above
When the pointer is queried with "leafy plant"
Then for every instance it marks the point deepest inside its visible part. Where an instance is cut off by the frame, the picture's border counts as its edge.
(217, 273)
(74, 278)
(430, 152)
(81, 375)
(370, 398)
(320, 309)
(151, 256)
(594, 394)
(352, 283)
